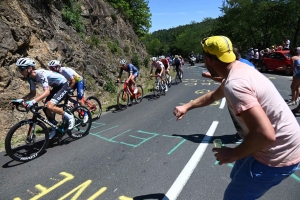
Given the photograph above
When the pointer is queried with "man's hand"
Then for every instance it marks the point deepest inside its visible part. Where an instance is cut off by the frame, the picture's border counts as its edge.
(224, 155)
(179, 112)
(206, 74)
(30, 103)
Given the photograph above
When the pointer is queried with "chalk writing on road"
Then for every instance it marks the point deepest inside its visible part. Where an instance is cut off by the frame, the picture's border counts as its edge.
(140, 137)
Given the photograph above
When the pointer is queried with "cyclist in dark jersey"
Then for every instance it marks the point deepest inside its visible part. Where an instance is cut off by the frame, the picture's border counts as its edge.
(133, 74)
(47, 79)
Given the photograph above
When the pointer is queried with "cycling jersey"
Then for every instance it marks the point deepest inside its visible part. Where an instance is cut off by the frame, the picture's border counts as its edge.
(69, 73)
(131, 69)
(47, 78)
(165, 61)
(158, 65)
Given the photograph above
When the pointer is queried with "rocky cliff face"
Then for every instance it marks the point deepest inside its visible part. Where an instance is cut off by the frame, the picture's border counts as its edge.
(36, 29)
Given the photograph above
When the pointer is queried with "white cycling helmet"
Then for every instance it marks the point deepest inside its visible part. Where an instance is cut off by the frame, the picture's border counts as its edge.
(123, 62)
(176, 56)
(162, 57)
(53, 64)
(25, 62)
(153, 59)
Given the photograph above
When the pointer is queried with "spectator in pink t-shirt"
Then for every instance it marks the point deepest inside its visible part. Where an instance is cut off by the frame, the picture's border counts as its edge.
(270, 150)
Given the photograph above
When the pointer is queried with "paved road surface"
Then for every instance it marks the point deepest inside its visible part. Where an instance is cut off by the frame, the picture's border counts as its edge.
(141, 153)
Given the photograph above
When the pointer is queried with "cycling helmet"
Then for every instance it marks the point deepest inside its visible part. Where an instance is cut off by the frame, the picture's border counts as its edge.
(153, 59)
(25, 63)
(162, 57)
(53, 64)
(123, 62)
(176, 56)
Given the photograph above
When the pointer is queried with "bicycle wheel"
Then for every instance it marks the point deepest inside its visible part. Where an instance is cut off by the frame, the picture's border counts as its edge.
(181, 76)
(139, 94)
(123, 99)
(22, 148)
(94, 106)
(80, 129)
(155, 89)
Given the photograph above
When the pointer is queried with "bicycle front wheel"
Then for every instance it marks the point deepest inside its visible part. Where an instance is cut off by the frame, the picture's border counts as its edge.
(139, 94)
(123, 99)
(81, 126)
(26, 140)
(94, 106)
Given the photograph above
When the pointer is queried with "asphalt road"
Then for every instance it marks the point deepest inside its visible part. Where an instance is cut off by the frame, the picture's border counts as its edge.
(142, 153)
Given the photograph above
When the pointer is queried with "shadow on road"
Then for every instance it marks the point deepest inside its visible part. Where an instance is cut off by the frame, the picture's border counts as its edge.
(198, 138)
(158, 196)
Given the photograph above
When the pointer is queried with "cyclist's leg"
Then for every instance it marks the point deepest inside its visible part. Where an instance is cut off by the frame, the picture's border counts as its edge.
(58, 97)
(80, 91)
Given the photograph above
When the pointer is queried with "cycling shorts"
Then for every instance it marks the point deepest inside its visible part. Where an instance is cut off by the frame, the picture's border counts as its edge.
(166, 67)
(157, 71)
(57, 94)
(80, 89)
(136, 74)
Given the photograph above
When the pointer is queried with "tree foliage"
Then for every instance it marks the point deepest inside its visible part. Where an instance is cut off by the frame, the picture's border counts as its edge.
(248, 23)
(137, 12)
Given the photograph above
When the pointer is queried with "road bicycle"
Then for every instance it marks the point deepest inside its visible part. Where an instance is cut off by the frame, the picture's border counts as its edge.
(178, 77)
(92, 103)
(29, 138)
(158, 86)
(126, 93)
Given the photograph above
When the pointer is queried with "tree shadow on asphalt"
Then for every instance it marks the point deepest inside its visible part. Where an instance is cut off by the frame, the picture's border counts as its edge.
(198, 138)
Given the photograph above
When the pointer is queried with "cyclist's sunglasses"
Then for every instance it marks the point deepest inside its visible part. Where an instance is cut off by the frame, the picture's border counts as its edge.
(21, 68)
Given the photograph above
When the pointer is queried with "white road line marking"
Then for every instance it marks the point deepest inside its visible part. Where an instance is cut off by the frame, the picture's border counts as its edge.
(222, 105)
(189, 168)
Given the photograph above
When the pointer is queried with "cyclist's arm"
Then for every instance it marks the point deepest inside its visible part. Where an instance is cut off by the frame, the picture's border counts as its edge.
(72, 83)
(30, 95)
(43, 95)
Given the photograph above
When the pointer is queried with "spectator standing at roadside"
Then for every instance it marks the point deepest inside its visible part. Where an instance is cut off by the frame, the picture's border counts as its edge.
(286, 44)
(295, 62)
(238, 128)
(255, 58)
(270, 151)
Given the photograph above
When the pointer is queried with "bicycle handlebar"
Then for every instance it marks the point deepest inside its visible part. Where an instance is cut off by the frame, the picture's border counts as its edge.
(22, 108)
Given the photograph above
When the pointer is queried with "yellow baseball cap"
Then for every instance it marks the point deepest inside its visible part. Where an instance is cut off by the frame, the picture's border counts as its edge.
(220, 46)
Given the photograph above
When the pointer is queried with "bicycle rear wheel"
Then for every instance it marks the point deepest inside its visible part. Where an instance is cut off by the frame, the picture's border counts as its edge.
(22, 148)
(155, 90)
(139, 94)
(161, 88)
(81, 128)
(94, 106)
(123, 99)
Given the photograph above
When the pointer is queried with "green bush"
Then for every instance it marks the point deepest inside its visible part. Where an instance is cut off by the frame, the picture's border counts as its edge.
(71, 14)
(135, 60)
(94, 41)
(110, 86)
(113, 47)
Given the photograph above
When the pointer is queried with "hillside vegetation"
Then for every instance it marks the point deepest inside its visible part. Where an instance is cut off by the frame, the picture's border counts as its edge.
(89, 36)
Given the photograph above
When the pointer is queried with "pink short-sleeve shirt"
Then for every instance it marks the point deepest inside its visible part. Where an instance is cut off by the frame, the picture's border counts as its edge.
(246, 88)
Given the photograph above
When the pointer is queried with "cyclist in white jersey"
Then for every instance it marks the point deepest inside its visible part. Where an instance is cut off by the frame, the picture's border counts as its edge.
(160, 70)
(48, 79)
(75, 80)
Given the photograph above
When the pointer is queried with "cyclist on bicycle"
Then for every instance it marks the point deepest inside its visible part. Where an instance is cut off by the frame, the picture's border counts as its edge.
(178, 65)
(133, 74)
(75, 81)
(160, 70)
(48, 79)
(166, 63)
